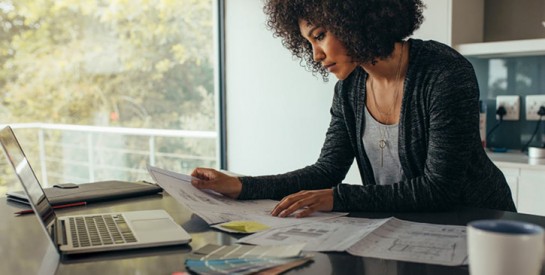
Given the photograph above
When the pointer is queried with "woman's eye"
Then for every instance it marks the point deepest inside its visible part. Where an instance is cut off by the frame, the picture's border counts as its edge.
(319, 36)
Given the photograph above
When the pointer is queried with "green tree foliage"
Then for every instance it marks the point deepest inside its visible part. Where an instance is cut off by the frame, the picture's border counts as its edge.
(145, 63)
(127, 63)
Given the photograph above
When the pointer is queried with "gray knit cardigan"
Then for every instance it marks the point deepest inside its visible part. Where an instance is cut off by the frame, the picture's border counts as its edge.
(440, 149)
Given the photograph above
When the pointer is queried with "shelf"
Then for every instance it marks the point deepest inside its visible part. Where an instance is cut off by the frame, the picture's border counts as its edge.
(516, 159)
(512, 48)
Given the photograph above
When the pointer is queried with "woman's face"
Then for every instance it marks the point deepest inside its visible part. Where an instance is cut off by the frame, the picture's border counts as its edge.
(327, 50)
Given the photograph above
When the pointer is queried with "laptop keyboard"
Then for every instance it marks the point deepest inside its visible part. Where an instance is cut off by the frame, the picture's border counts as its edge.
(100, 230)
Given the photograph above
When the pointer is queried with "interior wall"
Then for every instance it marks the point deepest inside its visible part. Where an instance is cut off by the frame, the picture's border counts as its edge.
(520, 76)
(512, 20)
(277, 112)
(439, 12)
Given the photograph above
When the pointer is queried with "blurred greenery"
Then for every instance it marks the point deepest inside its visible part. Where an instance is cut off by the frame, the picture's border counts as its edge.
(123, 63)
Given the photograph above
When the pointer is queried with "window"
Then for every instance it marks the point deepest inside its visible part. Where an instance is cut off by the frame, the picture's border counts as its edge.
(97, 89)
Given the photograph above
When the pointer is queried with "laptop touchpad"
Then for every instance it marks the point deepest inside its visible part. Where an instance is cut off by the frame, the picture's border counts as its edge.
(158, 230)
(152, 225)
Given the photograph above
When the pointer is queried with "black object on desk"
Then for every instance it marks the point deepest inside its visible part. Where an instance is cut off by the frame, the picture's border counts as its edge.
(62, 194)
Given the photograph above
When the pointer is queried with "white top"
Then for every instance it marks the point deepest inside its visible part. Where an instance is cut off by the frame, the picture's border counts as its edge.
(385, 160)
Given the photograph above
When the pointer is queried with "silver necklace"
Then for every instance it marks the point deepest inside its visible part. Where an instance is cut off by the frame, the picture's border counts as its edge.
(386, 115)
(382, 144)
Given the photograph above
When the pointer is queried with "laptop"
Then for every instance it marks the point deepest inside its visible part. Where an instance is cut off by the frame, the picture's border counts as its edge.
(94, 232)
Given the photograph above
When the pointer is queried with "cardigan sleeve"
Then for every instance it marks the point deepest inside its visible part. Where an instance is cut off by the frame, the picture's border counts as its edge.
(451, 124)
(334, 161)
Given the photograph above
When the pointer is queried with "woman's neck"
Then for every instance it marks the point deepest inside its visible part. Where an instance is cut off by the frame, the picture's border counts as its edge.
(384, 85)
(386, 70)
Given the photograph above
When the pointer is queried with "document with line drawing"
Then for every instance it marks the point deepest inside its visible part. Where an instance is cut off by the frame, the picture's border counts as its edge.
(214, 208)
(336, 234)
(378, 238)
(415, 242)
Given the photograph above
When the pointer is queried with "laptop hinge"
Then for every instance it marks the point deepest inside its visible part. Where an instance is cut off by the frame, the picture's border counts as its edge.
(60, 232)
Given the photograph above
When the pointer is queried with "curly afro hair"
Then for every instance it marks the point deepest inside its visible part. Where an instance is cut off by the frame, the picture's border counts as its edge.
(368, 28)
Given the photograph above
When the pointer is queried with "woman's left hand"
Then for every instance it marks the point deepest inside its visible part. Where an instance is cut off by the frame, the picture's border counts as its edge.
(309, 201)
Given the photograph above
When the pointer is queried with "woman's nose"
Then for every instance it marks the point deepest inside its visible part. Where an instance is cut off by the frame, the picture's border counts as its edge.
(317, 54)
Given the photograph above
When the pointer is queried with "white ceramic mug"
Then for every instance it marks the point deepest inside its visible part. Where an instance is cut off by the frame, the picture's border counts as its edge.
(504, 247)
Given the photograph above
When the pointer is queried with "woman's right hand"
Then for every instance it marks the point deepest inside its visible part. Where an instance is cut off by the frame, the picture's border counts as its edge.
(211, 179)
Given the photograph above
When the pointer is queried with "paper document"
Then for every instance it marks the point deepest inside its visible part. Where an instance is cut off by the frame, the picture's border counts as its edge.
(337, 234)
(220, 252)
(378, 238)
(243, 226)
(215, 208)
(245, 259)
(415, 242)
(252, 266)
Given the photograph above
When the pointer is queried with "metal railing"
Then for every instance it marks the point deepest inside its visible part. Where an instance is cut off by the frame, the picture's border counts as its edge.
(90, 131)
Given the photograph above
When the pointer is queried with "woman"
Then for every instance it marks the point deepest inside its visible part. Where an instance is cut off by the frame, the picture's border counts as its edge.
(407, 111)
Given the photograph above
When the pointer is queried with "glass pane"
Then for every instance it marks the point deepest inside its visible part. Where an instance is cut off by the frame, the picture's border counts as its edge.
(96, 89)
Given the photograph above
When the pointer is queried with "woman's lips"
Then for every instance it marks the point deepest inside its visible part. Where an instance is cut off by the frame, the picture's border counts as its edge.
(330, 67)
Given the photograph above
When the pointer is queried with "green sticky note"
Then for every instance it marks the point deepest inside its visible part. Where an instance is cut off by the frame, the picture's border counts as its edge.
(245, 226)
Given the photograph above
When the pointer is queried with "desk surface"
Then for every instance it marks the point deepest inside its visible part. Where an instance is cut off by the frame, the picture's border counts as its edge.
(25, 249)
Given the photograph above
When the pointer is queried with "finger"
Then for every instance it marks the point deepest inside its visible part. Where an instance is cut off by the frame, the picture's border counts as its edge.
(286, 202)
(204, 184)
(279, 207)
(204, 173)
(196, 171)
(200, 172)
(302, 203)
(308, 211)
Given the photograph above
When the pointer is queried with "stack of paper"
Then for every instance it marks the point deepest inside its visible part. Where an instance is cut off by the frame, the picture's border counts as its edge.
(389, 238)
(216, 209)
(245, 259)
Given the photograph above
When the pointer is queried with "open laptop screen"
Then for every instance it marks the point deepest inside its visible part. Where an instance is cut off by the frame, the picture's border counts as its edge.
(18, 160)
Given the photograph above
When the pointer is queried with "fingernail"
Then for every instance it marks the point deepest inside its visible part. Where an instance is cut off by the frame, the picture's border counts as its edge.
(283, 213)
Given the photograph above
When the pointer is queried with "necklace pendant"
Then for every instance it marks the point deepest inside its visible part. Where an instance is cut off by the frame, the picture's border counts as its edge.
(382, 145)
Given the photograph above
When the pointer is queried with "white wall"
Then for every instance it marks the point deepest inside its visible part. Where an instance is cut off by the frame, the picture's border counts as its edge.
(277, 112)
(439, 12)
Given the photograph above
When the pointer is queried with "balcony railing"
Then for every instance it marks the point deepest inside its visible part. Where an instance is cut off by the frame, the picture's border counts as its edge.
(88, 154)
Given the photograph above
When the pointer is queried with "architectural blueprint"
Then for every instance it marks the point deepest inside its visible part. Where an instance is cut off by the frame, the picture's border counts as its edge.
(415, 242)
(215, 208)
(378, 238)
(336, 234)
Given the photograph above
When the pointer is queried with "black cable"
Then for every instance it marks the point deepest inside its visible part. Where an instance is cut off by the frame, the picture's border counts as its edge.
(525, 147)
(541, 113)
(501, 111)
